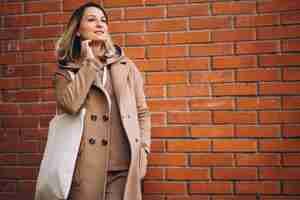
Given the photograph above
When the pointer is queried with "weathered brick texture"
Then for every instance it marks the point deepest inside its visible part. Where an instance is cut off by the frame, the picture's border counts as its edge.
(221, 79)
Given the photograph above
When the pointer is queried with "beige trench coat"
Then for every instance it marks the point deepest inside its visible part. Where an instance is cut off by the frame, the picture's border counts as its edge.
(73, 94)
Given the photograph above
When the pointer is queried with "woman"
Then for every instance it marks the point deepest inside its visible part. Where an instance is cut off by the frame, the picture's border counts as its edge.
(96, 75)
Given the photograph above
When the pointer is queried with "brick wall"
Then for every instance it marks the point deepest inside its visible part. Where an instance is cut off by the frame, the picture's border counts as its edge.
(222, 81)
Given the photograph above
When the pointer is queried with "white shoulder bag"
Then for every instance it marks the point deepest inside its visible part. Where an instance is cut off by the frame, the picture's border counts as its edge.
(59, 159)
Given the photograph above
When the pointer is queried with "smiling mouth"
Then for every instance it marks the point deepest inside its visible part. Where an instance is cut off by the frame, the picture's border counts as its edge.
(97, 32)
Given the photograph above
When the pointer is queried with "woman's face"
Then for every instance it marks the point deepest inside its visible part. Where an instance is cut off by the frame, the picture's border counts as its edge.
(93, 24)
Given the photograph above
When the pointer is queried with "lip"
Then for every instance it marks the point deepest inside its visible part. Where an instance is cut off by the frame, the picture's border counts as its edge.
(97, 32)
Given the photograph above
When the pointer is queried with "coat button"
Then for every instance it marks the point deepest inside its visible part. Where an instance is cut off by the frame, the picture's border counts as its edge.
(92, 141)
(136, 139)
(104, 142)
(93, 117)
(105, 117)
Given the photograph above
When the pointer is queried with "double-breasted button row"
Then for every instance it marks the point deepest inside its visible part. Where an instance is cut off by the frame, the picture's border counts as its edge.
(104, 142)
(104, 117)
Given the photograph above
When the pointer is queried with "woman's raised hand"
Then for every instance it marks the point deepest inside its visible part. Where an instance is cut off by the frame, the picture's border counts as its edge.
(86, 50)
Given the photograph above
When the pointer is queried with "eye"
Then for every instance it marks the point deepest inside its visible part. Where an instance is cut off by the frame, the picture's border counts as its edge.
(91, 19)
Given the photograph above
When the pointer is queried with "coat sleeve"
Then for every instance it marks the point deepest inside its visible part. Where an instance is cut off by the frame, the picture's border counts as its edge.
(71, 93)
(142, 109)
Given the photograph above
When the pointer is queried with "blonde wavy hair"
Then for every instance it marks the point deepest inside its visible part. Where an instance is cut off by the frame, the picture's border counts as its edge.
(68, 46)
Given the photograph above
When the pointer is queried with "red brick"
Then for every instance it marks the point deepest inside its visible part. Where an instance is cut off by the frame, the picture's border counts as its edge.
(257, 47)
(278, 32)
(166, 52)
(291, 131)
(261, 131)
(158, 119)
(122, 3)
(10, 59)
(150, 65)
(41, 7)
(167, 105)
(11, 34)
(211, 104)
(188, 146)
(158, 146)
(290, 18)
(188, 91)
(212, 76)
(146, 39)
(280, 197)
(32, 109)
(169, 132)
(291, 187)
(166, 77)
(162, 2)
(291, 74)
(258, 103)
(212, 159)
(27, 96)
(42, 32)
(189, 117)
(56, 19)
(39, 57)
(71, 5)
(17, 21)
(21, 122)
(234, 117)
(290, 102)
(212, 131)
(274, 60)
(290, 45)
(188, 64)
(235, 35)
(154, 173)
(277, 6)
(279, 88)
(279, 117)
(272, 173)
(187, 174)
(188, 37)
(234, 197)
(234, 62)
(10, 8)
(275, 145)
(189, 197)
(215, 187)
(258, 187)
(164, 187)
(18, 172)
(188, 10)
(135, 52)
(256, 21)
(291, 159)
(166, 159)
(265, 74)
(29, 159)
(154, 91)
(234, 8)
(49, 44)
(144, 13)
(8, 186)
(18, 147)
(258, 159)
(24, 45)
(211, 50)
(115, 14)
(167, 25)
(232, 173)
(9, 109)
(9, 84)
(234, 145)
(7, 159)
(127, 27)
(210, 23)
(233, 89)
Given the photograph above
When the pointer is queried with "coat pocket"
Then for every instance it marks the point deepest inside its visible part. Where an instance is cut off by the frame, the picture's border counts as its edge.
(143, 162)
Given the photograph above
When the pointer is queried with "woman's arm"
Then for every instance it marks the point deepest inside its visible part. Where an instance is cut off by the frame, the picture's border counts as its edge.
(142, 109)
(70, 94)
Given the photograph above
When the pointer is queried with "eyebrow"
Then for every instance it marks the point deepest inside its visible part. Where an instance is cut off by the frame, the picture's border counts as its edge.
(91, 15)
